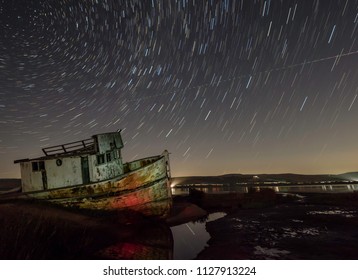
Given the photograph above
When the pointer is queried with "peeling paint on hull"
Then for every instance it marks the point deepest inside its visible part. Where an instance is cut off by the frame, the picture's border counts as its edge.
(145, 190)
(153, 199)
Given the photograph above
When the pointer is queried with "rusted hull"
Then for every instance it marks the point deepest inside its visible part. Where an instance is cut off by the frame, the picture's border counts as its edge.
(153, 199)
(145, 190)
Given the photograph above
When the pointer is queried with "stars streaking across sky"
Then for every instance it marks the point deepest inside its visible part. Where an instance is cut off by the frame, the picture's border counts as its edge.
(226, 86)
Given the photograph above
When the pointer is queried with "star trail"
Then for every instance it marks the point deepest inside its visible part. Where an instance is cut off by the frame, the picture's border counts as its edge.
(227, 86)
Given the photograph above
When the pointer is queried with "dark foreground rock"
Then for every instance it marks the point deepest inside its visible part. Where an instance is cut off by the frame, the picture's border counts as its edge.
(184, 212)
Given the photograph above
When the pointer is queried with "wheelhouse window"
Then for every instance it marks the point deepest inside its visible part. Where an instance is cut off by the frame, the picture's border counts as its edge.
(41, 165)
(100, 159)
(35, 166)
(108, 157)
(38, 166)
(117, 153)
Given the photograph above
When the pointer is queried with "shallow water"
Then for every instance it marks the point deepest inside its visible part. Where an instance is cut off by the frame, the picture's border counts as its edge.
(324, 188)
(191, 238)
(344, 213)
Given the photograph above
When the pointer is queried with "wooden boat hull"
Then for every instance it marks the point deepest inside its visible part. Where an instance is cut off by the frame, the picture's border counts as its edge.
(153, 199)
(145, 190)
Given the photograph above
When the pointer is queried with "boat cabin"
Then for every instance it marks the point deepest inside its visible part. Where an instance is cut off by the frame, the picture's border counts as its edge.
(76, 163)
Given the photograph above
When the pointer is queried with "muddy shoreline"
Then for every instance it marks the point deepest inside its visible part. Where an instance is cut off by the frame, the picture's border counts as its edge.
(316, 226)
(258, 225)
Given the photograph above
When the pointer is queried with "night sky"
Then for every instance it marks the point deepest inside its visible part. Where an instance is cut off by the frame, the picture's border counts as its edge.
(226, 86)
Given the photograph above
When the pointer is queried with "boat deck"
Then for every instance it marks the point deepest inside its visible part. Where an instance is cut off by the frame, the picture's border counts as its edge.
(70, 148)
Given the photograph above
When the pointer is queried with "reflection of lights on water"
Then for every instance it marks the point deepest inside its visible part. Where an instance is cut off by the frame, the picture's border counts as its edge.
(346, 213)
(174, 182)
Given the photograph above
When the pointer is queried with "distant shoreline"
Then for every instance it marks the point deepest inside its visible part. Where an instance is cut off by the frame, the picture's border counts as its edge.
(9, 183)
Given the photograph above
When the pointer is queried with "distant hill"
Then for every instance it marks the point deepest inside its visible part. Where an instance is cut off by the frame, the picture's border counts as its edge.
(352, 176)
(7, 184)
(288, 178)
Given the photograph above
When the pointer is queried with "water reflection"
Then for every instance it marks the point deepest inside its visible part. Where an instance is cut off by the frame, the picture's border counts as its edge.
(339, 188)
(191, 238)
(150, 242)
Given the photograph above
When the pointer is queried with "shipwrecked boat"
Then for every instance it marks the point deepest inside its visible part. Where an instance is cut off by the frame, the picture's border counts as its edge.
(90, 174)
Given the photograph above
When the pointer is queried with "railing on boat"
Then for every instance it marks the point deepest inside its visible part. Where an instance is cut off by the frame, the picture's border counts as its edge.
(71, 147)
